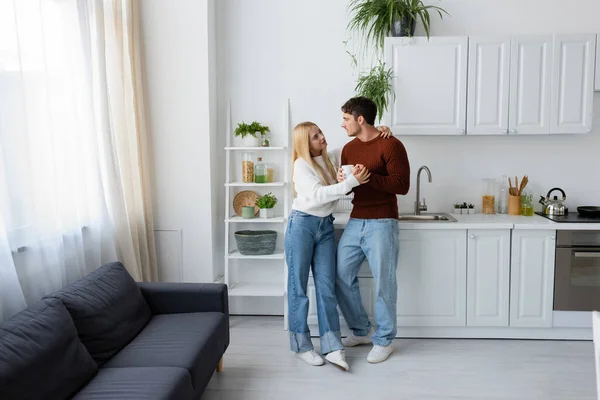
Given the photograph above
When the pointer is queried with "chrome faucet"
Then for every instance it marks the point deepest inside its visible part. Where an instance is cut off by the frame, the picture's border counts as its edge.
(418, 206)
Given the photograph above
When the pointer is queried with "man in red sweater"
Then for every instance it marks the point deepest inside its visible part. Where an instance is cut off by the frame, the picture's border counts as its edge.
(372, 230)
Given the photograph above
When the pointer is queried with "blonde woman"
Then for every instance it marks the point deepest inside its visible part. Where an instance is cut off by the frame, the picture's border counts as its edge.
(310, 242)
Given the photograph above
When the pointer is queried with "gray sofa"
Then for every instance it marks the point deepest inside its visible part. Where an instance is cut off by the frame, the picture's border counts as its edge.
(107, 337)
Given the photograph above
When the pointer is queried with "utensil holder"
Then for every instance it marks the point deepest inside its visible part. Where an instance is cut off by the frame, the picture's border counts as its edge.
(514, 205)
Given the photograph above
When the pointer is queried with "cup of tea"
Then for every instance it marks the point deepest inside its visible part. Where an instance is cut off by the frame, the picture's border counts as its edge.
(347, 169)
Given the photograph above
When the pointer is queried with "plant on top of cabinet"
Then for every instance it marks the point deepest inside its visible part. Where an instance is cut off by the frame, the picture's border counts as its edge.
(376, 19)
(251, 133)
(376, 85)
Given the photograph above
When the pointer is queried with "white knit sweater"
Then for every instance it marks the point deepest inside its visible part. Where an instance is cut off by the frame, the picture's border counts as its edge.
(313, 197)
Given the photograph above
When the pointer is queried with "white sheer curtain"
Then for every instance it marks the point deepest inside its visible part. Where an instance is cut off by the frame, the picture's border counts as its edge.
(66, 176)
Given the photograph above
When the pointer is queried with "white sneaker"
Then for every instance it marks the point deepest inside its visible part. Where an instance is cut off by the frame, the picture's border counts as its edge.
(338, 358)
(310, 357)
(354, 340)
(379, 353)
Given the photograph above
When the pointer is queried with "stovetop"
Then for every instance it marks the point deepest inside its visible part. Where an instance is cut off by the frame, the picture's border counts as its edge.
(572, 217)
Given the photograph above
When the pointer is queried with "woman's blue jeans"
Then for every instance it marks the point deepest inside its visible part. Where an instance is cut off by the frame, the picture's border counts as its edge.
(310, 242)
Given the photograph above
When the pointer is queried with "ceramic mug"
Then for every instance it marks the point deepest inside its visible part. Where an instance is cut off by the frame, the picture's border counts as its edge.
(347, 169)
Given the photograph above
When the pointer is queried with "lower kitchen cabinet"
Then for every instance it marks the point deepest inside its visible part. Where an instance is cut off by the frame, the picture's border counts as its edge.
(432, 280)
(367, 294)
(488, 277)
(532, 278)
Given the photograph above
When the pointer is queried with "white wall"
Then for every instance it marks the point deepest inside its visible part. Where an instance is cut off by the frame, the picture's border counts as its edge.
(270, 50)
(180, 67)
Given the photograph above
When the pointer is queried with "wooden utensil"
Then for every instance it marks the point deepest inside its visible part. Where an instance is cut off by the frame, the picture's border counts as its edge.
(524, 182)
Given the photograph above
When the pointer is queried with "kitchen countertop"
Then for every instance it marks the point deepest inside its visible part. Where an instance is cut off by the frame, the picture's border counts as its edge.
(484, 221)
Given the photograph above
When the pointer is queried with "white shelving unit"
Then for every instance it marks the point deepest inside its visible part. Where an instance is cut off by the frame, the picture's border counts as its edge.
(233, 259)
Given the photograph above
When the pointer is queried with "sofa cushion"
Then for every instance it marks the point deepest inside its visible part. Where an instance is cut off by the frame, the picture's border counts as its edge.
(41, 356)
(194, 341)
(159, 383)
(108, 309)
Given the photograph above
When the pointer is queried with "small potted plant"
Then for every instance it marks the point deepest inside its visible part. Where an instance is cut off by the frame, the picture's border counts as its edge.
(470, 209)
(266, 203)
(253, 134)
(457, 208)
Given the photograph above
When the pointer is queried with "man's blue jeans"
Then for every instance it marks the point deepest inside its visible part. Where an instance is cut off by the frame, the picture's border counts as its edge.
(310, 241)
(377, 239)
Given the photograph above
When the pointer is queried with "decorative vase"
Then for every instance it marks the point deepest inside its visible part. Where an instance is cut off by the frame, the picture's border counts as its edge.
(266, 213)
(248, 212)
(404, 27)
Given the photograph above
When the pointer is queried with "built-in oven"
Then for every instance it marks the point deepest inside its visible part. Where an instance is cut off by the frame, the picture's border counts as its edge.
(577, 271)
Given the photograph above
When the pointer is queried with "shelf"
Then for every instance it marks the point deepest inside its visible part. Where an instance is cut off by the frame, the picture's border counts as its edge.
(278, 255)
(256, 289)
(237, 218)
(243, 184)
(233, 148)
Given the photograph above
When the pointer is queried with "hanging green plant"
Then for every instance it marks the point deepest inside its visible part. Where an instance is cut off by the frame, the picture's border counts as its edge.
(376, 85)
(376, 19)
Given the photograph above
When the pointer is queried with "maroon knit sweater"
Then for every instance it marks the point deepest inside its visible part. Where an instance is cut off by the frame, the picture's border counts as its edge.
(390, 175)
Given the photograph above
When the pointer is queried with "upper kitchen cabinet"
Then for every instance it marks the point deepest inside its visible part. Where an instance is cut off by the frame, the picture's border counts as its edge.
(488, 88)
(573, 84)
(518, 85)
(530, 84)
(430, 83)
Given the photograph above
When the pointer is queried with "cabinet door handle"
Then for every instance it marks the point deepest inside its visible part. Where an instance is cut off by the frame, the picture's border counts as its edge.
(589, 254)
(513, 131)
(472, 236)
(552, 238)
(462, 131)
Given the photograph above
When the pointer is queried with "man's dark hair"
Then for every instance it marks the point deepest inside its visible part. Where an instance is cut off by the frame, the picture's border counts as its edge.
(361, 106)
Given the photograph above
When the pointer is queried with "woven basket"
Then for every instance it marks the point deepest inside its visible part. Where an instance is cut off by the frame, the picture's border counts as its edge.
(256, 243)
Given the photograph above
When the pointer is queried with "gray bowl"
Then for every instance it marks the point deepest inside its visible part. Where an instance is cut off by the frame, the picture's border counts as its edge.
(256, 243)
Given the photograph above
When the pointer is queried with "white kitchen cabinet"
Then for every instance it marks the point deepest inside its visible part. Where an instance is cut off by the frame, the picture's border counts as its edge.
(430, 84)
(573, 84)
(367, 294)
(530, 84)
(488, 88)
(532, 278)
(488, 277)
(431, 273)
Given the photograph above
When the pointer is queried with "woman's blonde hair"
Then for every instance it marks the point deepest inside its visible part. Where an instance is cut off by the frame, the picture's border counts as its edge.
(301, 149)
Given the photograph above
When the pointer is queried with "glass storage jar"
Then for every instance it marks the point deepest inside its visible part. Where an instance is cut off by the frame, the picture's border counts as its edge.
(247, 168)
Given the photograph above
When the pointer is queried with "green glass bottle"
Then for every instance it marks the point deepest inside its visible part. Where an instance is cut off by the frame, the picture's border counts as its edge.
(260, 172)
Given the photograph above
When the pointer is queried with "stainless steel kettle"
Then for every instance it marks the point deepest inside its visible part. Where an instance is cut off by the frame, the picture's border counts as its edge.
(554, 206)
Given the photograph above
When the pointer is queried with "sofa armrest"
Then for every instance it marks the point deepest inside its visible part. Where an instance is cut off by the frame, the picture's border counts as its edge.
(173, 298)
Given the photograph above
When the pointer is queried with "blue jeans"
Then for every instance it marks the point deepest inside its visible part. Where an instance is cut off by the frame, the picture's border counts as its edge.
(309, 241)
(377, 239)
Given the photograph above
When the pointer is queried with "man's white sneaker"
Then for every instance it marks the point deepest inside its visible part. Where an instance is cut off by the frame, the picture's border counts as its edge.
(310, 357)
(354, 340)
(379, 353)
(338, 358)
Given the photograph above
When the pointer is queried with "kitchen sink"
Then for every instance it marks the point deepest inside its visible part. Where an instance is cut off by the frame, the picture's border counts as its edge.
(426, 218)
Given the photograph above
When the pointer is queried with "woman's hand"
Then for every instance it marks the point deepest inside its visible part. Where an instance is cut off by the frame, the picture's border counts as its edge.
(385, 131)
(361, 174)
(341, 177)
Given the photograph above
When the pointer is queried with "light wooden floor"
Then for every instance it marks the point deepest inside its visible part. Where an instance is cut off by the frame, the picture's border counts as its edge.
(259, 365)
